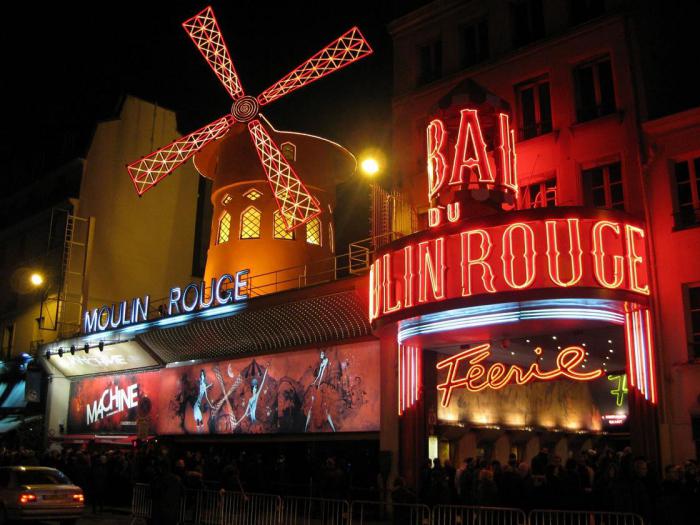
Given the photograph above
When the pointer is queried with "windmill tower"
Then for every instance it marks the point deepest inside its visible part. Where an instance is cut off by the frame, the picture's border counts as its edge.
(265, 217)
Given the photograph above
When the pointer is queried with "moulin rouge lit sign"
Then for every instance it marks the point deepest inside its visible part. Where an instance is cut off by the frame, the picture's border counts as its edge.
(555, 248)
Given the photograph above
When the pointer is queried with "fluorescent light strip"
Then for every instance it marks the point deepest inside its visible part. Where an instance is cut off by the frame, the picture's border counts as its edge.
(469, 317)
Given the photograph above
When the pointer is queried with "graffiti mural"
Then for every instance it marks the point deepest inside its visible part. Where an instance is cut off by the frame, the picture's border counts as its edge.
(334, 389)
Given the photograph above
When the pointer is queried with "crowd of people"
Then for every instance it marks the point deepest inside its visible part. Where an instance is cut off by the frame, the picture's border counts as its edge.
(606, 480)
(611, 481)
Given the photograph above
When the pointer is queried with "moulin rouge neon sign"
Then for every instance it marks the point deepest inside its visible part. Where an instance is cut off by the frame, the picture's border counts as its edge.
(477, 377)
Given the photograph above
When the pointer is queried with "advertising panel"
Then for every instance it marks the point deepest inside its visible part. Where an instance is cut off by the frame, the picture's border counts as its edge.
(334, 389)
(113, 358)
(114, 404)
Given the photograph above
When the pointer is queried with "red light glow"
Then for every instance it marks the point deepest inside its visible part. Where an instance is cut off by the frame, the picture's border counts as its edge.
(409, 360)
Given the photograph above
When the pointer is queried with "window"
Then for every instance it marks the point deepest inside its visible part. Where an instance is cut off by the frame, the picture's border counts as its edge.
(289, 151)
(474, 43)
(694, 321)
(534, 107)
(583, 10)
(602, 187)
(224, 228)
(331, 236)
(595, 92)
(313, 231)
(429, 62)
(279, 229)
(226, 200)
(252, 194)
(538, 195)
(686, 176)
(527, 21)
(250, 223)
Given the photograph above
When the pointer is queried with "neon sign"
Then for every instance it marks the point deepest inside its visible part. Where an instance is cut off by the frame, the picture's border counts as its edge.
(471, 165)
(518, 253)
(224, 290)
(478, 377)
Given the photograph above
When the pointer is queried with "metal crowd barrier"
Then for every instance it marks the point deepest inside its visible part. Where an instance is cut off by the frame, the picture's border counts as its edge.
(385, 513)
(141, 504)
(463, 515)
(582, 517)
(297, 510)
(210, 507)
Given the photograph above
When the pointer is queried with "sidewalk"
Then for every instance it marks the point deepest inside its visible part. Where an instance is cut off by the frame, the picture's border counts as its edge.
(110, 516)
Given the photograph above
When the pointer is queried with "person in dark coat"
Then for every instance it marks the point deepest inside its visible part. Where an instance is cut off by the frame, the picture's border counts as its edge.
(167, 493)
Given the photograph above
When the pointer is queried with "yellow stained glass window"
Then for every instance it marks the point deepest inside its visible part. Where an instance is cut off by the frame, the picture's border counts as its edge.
(224, 228)
(250, 223)
(279, 229)
(253, 194)
(313, 231)
(227, 198)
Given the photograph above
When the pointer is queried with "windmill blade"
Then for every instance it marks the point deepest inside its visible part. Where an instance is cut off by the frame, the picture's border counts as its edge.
(294, 201)
(342, 52)
(147, 171)
(206, 35)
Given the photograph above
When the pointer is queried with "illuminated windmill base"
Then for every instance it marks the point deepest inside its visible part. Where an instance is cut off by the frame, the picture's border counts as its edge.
(247, 229)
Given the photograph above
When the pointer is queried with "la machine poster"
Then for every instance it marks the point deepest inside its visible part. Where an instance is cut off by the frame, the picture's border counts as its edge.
(333, 389)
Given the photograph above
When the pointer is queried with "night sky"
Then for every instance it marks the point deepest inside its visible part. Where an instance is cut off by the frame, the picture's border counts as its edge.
(66, 67)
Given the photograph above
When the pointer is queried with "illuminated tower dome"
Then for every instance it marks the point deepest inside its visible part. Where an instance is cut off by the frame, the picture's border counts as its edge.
(247, 227)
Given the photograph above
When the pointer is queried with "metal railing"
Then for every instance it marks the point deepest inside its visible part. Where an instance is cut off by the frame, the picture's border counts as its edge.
(582, 517)
(464, 515)
(386, 513)
(297, 510)
(212, 507)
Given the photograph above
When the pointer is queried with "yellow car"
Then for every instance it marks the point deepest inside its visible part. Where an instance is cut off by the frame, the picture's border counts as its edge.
(39, 493)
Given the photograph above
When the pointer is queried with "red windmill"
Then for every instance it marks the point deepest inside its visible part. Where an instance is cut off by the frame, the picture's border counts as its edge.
(297, 206)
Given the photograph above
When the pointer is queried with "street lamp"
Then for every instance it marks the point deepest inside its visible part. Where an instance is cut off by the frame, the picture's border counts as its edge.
(369, 166)
(36, 279)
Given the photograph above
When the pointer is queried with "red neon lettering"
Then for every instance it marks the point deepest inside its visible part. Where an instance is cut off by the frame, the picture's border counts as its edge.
(437, 167)
(431, 266)
(497, 376)
(507, 150)
(575, 253)
(375, 288)
(599, 255)
(408, 276)
(469, 261)
(434, 217)
(388, 286)
(454, 212)
(470, 150)
(528, 255)
(633, 260)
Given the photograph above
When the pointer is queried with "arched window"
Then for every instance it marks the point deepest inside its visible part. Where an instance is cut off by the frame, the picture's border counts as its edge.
(279, 229)
(250, 223)
(289, 151)
(313, 231)
(224, 232)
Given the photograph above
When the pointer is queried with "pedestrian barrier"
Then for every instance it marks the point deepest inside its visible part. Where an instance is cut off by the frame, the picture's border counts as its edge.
(385, 513)
(141, 504)
(313, 511)
(210, 507)
(250, 509)
(582, 517)
(464, 515)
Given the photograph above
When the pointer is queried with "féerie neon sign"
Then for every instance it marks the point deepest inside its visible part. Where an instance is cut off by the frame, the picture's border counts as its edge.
(477, 377)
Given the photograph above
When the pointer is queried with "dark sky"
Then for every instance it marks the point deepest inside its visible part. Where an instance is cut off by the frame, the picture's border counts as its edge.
(65, 67)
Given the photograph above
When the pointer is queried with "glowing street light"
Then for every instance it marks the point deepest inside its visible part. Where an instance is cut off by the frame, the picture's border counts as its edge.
(369, 166)
(36, 279)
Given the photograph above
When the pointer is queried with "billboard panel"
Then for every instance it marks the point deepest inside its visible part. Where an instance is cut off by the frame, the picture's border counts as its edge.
(114, 358)
(114, 404)
(331, 390)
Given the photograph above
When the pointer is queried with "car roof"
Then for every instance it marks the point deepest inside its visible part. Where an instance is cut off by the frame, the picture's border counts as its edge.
(22, 468)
